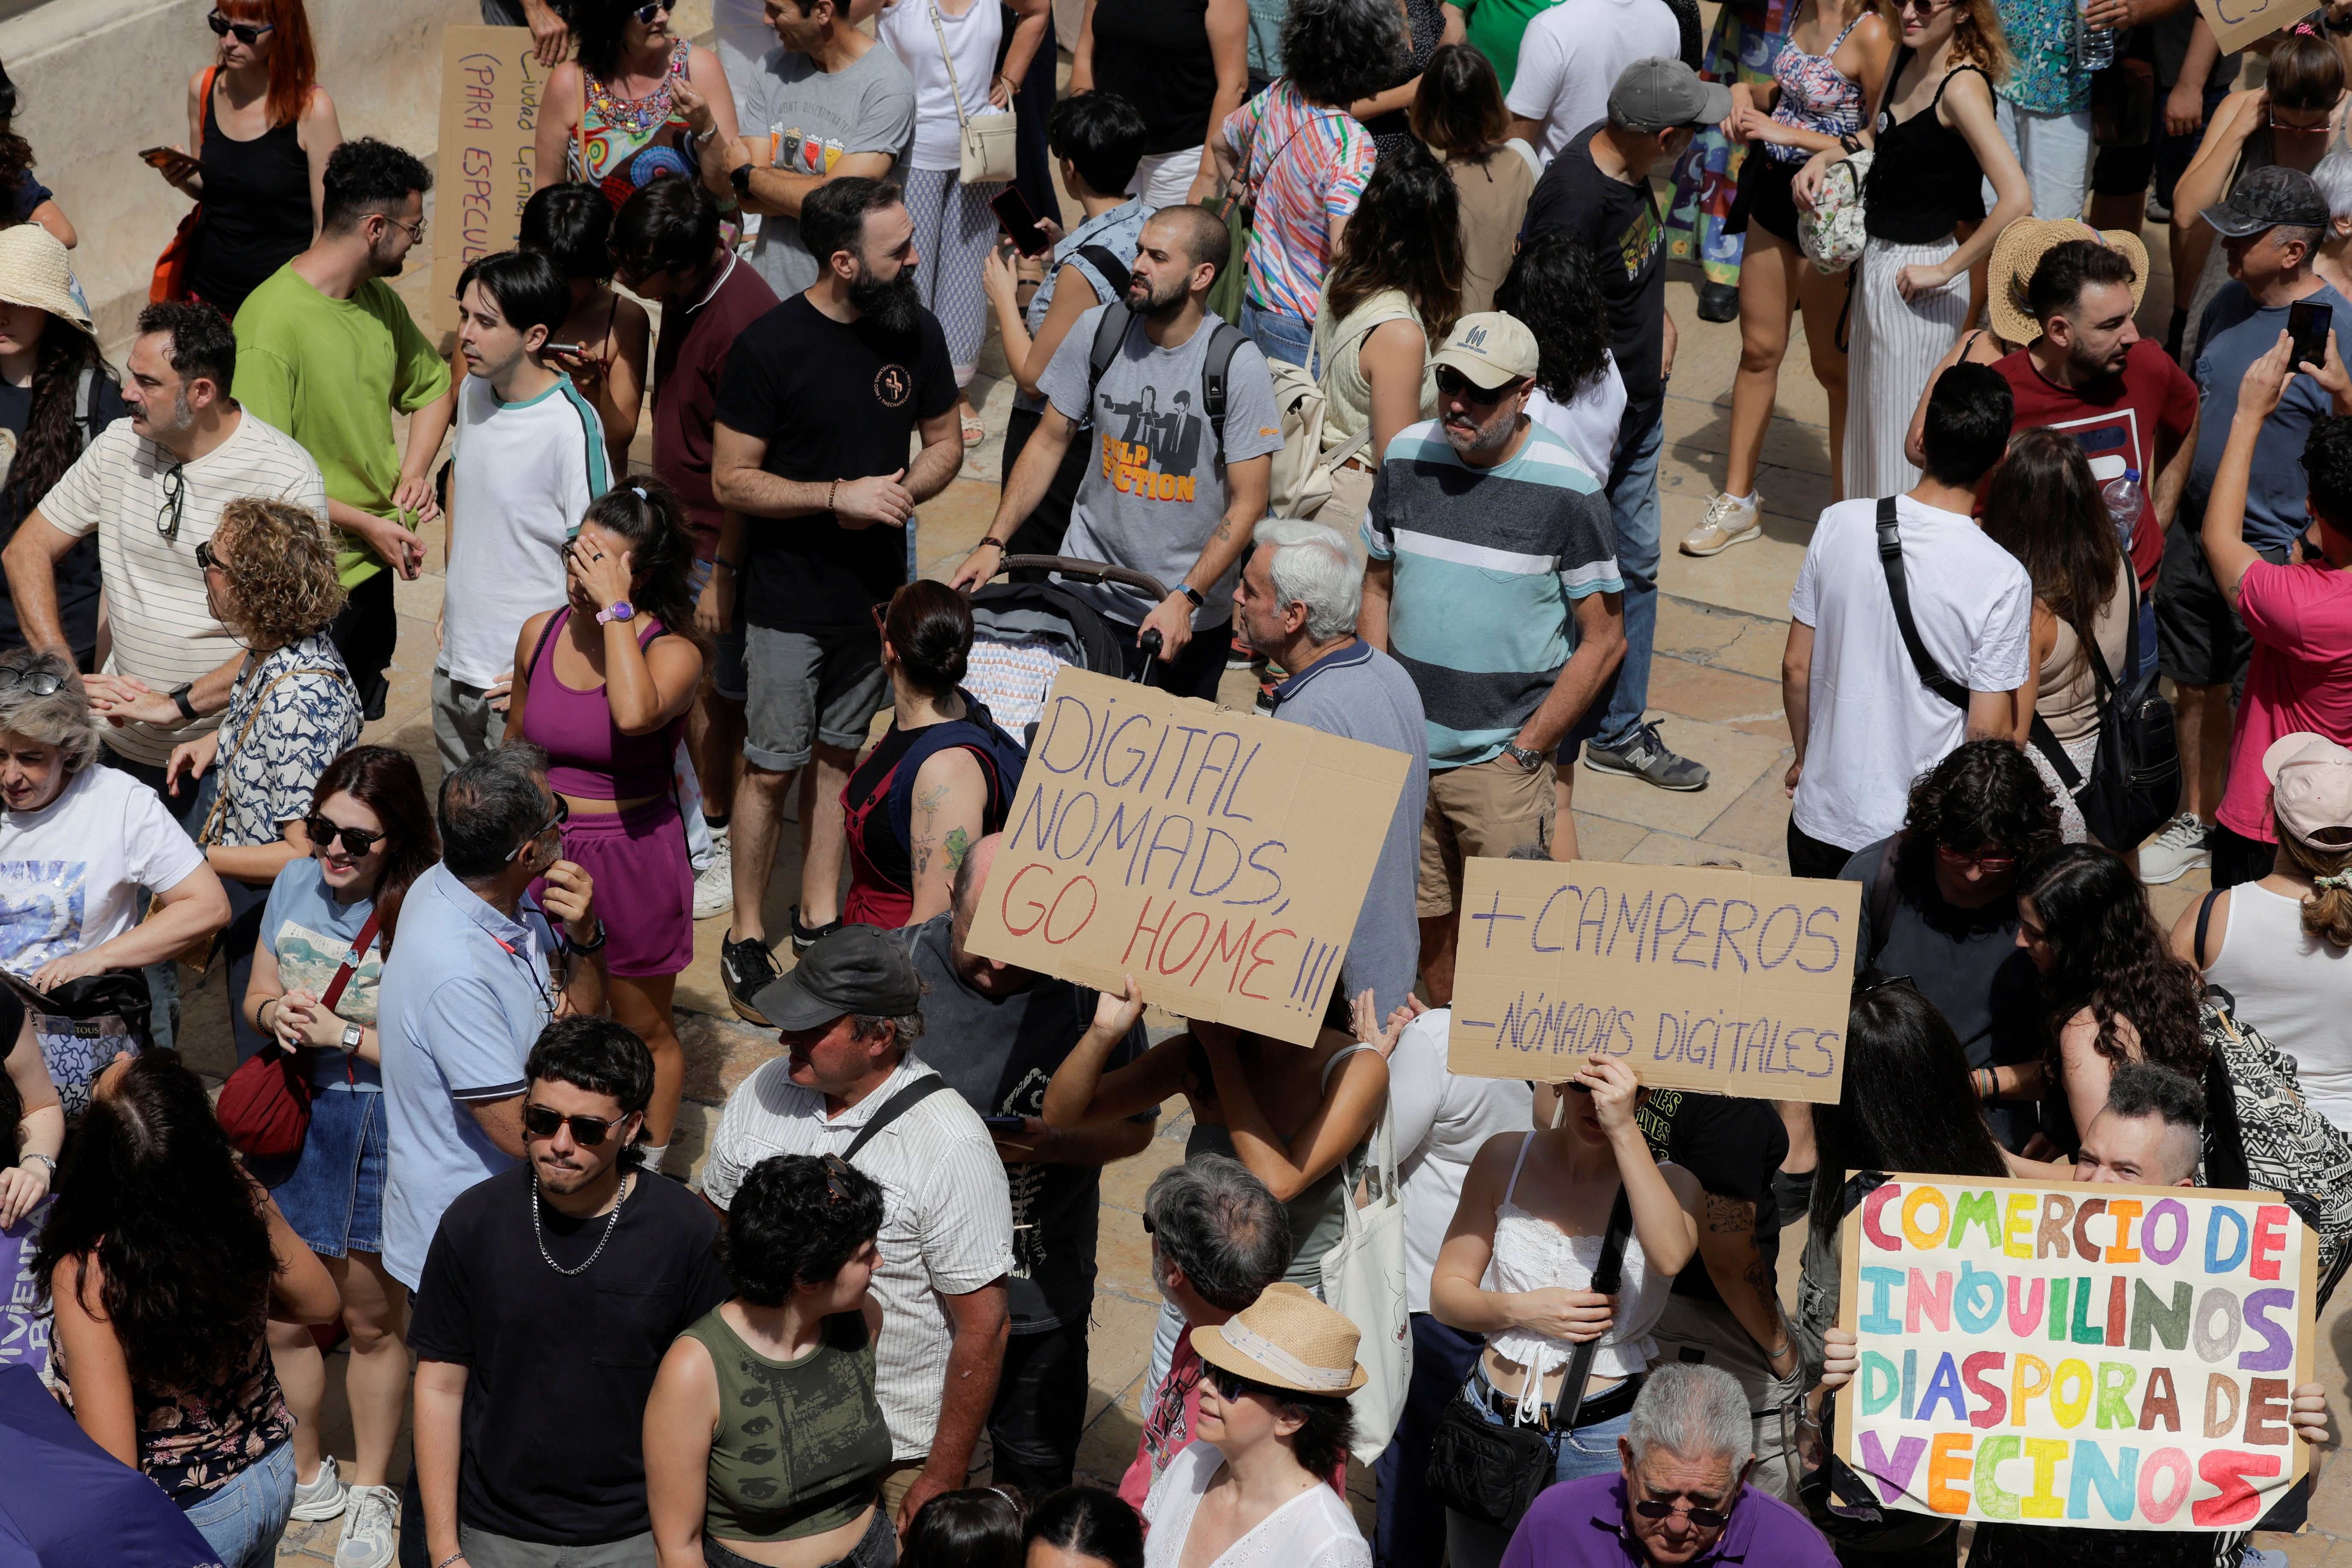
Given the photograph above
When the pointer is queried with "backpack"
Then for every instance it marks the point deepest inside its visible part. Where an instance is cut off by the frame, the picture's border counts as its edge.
(2135, 783)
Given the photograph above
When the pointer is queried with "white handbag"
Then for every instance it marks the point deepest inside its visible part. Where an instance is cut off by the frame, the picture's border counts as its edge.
(991, 153)
(1363, 1278)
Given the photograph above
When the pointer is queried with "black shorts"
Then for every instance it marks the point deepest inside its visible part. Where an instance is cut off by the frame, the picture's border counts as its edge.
(2199, 640)
(1766, 196)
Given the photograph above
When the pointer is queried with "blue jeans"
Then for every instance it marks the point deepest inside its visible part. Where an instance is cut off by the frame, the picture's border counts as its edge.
(1279, 335)
(1633, 509)
(243, 1518)
(1411, 1527)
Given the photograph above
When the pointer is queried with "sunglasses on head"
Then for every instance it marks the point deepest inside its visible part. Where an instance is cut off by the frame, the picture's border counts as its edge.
(246, 32)
(323, 834)
(1452, 382)
(1705, 1518)
(39, 682)
(586, 1131)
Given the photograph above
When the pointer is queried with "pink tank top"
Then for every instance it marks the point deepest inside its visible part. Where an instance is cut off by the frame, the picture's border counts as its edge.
(587, 752)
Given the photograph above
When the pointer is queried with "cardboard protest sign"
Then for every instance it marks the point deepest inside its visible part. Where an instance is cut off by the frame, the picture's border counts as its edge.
(2237, 23)
(23, 1330)
(2108, 1356)
(491, 87)
(1696, 977)
(1217, 856)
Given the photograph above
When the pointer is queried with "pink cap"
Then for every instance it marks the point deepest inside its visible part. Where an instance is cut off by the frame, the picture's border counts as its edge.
(2311, 787)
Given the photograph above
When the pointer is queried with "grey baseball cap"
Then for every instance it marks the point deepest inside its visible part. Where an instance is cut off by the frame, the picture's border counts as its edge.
(1659, 93)
(2267, 197)
(858, 969)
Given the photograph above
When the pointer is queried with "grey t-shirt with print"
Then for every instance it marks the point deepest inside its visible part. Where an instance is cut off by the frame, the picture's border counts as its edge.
(817, 118)
(1156, 488)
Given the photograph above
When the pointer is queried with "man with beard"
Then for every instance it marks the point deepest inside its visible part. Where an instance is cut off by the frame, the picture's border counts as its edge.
(1187, 525)
(808, 455)
(327, 353)
(1493, 580)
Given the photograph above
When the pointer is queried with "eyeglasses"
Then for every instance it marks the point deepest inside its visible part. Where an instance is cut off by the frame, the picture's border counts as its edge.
(2272, 120)
(415, 230)
(1705, 1518)
(247, 33)
(1452, 382)
(39, 682)
(646, 14)
(207, 559)
(1988, 864)
(323, 834)
(175, 501)
(588, 1131)
(1881, 985)
(563, 815)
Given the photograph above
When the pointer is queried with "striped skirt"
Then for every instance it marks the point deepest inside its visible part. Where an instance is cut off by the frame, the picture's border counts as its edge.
(1892, 344)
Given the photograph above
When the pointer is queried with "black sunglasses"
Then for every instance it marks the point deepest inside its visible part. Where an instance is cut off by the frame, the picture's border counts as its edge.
(836, 1168)
(1229, 1384)
(1705, 1518)
(39, 682)
(586, 1131)
(247, 33)
(175, 500)
(646, 14)
(323, 834)
(205, 559)
(1452, 382)
(1860, 992)
(563, 815)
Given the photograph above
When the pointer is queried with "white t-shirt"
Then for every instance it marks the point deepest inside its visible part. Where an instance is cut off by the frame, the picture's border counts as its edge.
(522, 475)
(71, 872)
(1441, 1122)
(1589, 424)
(906, 26)
(1872, 727)
(1571, 54)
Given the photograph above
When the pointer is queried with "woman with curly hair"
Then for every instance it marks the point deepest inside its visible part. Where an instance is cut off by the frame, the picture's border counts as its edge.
(1304, 160)
(163, 1262)
(2112, 988)
(1554, 288)
(764, 1430)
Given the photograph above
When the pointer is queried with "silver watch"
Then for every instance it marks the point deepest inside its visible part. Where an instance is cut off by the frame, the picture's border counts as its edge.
(1530, 760)
(353, 1034)
(44, 1158)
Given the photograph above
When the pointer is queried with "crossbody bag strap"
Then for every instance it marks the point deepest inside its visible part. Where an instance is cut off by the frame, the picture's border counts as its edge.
(1882, 895)
(2204, 919)
(955, 90)
(245, 732)
(352, 961)
(897, 1105)
(2045, 741)
(1607, 1275)
(1890, 556)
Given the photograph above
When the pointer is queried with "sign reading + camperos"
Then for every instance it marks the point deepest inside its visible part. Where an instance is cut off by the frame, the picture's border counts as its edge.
(1219, 857)
(1695, 977)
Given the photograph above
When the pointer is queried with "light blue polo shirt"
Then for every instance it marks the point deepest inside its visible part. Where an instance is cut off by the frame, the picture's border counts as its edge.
(466, 993)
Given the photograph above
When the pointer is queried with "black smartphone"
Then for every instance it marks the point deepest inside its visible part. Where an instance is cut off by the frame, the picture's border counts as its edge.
(1005, 1123)
(1013, 211)
(165, 157)
(2307, 325)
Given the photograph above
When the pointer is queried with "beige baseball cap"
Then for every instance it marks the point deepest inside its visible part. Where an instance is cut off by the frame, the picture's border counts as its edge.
(1490, 348)
(2310, 788)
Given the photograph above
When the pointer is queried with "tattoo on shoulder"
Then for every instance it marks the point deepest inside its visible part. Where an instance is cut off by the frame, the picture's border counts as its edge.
(1729, 1216)
(931, 799)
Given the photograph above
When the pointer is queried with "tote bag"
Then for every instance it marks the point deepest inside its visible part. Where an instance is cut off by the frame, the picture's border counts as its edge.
(1364, 1280)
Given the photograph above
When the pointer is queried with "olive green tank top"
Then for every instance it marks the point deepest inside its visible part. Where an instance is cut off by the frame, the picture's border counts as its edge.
(801, 1445)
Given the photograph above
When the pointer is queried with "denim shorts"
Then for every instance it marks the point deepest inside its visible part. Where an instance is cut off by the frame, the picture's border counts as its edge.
(334, 1199)
(242, 1518)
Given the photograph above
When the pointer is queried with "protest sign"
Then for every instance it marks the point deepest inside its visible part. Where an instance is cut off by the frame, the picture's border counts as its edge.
(24, 1330)
(1696, 977)
(1217, 856)
(2237, 23)
(2069, 1353)
(491, 84)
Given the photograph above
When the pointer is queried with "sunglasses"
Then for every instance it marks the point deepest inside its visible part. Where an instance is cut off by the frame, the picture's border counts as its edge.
(646, 14)
(39, 682)
(1705, 1518)
(1452, 382)
(563, 815)
(207, 559)
(1861, 992)
(1229, 1384)
(588, 1131)
(323, 834)
(1924, 8)
(246, 32)
(1986, 863)
(836, 1168)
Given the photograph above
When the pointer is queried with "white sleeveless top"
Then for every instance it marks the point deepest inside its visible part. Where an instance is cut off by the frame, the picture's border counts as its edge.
(1532, 1254)
(2291, 987)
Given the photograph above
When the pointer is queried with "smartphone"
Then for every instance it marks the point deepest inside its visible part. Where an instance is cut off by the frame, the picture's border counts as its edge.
(1005, 1123)
(1013, 211)
(575, 350)
(163, 157)
(2307, 325)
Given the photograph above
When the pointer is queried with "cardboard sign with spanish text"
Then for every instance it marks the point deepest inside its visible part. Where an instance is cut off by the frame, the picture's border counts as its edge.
(24, 1322)
(491, 85)
(1696, 977)
(1218, 857)
(2067, 1354)
(2237, 23)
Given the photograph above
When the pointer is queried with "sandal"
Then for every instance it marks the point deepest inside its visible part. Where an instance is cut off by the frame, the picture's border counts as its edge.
(975, 432)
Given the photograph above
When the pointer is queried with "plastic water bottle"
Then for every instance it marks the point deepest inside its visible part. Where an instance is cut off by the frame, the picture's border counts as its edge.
(2095, 48)
(2124, 501)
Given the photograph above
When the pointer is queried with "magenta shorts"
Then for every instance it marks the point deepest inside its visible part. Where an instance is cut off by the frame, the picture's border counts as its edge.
(643, 884)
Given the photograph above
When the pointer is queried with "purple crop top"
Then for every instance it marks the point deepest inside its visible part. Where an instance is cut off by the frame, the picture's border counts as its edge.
(587, 752)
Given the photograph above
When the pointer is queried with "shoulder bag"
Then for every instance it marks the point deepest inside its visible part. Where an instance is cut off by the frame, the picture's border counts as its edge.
(909, 1096)
(990, 140)
(1898, 588)
(2135, 782)
(1364, 1280)
(82, 1024)
(265, 1106)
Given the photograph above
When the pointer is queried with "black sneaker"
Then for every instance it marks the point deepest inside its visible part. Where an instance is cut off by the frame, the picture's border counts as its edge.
(805, 937)
(745, 968)
(1718, 302)
(1645, 757)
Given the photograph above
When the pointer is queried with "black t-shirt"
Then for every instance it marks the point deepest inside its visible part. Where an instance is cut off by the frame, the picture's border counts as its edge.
(1733, 1147)
(1620, 224)
(1000, 1053)
(831, 401)
(1967, 962)
(76, 571)
(560, 1367)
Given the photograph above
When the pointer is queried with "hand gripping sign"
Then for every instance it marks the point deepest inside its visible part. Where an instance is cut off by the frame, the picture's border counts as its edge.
(2075, 1354)
(1217, 856)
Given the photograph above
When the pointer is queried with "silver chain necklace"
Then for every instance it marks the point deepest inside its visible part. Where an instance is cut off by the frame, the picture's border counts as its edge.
(628, 1184)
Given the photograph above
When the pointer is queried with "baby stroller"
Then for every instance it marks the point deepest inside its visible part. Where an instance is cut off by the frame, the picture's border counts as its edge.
(1022, 633)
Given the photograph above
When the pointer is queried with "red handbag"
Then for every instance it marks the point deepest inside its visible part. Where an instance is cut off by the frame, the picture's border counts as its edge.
(265, 1106)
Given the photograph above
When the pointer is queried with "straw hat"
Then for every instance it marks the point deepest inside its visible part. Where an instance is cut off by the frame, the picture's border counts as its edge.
(1286, 1339)
(34, 272)
(2020, 249)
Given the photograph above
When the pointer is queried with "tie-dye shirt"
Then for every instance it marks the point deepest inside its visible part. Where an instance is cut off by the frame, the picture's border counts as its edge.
(1308, 167)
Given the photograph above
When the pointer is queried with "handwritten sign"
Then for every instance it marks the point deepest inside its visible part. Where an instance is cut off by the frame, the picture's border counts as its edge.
(2237, 23)
(491, 85)
(24, 1326)
(2117, 1357)
(1695, 977)
(1217, 856)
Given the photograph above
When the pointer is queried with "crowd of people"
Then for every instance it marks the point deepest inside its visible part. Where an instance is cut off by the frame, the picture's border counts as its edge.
(1437, 228)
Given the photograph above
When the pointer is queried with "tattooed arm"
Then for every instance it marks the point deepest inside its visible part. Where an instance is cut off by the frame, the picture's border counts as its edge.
(1726, 1245)
(951, 797)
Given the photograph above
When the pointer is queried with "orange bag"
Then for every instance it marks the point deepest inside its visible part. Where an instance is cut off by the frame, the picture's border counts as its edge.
(170, 280)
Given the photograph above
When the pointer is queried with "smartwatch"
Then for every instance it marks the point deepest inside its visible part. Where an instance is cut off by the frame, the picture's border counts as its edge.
(180, 697)
(352, 1033)
(1530, 760)
(739, 176)
(1192, 593)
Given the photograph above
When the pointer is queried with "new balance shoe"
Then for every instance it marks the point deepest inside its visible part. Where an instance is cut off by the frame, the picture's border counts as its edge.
(714, 885)
(371, 1530)
(1727, 522)
(743, 968)
(323, 1495)
(1644, 756)
(2179, 848)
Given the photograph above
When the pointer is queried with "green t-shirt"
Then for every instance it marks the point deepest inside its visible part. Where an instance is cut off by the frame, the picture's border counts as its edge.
(331, 373)
(1494, 28)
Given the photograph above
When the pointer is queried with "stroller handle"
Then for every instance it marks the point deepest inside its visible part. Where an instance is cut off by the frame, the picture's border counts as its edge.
(1091, 571)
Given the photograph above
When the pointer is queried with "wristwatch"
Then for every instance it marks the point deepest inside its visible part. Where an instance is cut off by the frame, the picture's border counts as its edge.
(618, 610)
(1521, 755)
(44, 1158)
(584, 948)
(180, 697)
(353, 1033)
(739, 176)
(1192, 593)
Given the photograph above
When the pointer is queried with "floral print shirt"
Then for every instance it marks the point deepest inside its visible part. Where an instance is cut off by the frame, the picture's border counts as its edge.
(195, 1441)
(2043, 80)
(270, 760)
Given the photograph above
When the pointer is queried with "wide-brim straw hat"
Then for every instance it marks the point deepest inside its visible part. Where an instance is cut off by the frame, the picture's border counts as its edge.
(34, 270)
(2020, 249)
(1287, 1340)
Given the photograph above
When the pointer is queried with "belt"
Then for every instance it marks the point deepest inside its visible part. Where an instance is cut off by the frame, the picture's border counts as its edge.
(1601, 1408)
(1360, 465)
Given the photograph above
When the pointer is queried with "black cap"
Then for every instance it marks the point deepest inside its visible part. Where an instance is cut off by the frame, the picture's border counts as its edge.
(2267, 197)
(858, 969)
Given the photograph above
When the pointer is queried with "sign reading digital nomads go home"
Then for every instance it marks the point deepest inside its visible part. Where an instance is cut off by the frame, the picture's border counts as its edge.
(2107, 1356)
(1695, 976)
(1217, 856)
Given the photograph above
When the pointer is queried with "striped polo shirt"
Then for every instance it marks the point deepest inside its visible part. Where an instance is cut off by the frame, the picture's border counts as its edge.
(1488, 564)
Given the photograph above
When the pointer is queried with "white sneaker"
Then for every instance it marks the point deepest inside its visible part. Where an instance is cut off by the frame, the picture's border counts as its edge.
(714, 885)
(1729, 522)
(2179, 848)
(371, 1530)
(323, 1495)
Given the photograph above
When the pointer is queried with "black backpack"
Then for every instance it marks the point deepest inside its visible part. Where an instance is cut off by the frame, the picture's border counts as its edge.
(1112, 332)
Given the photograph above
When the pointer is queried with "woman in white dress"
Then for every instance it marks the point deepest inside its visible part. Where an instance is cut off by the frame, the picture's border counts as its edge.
(1255, 1485)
